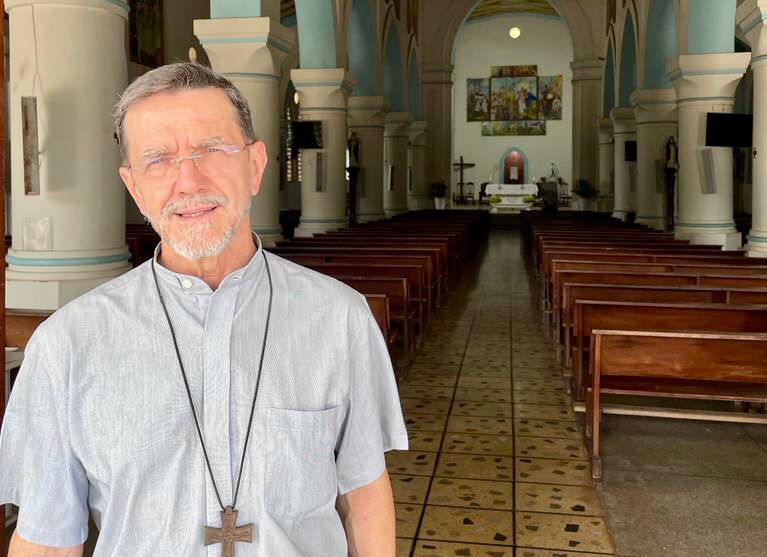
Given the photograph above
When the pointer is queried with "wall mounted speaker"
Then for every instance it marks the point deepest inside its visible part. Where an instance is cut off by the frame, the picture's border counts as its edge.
(708, 180)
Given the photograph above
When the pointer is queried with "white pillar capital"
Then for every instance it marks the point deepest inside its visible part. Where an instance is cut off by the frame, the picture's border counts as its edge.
(322, 89)
(586, 70)
(417, 132)
(654, 107)
(116, 7)
(707, 78)
(751, 17)
(245, 46)
(437, 74)
(398, 124)
(623, 120)
(367, 111)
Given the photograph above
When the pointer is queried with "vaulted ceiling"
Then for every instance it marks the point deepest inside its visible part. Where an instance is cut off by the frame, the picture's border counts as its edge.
(487, 8)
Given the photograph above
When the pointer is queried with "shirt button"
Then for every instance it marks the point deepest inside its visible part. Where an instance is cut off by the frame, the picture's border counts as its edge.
(186, 283)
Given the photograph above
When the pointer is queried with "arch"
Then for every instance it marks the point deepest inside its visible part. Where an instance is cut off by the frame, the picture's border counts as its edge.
(627, 70)
(393, 82)
(502, 164)
(711, 26)
(608, 81)
(362, 49)
(660, 44)
(414, 85)
(317, 34)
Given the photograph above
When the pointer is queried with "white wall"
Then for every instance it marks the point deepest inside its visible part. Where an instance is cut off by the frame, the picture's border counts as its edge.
(485, 43)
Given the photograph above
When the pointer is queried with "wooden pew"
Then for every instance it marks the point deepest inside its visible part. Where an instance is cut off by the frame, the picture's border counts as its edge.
(379, 307)
(20, 324)
(590, 315)
(682, 364)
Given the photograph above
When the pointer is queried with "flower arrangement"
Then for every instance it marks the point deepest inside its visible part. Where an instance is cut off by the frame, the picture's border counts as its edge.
(438, 190)
(585, 189)
(494, 199)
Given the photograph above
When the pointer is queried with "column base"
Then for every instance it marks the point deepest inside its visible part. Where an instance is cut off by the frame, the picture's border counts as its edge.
(757, 245)
(417, 202)
(620, 214)
(606, 204)
(658, 223)
(269, 236)
(370, 217)
(728, 238)
(47, 281)
(394, 212)
(308, 228)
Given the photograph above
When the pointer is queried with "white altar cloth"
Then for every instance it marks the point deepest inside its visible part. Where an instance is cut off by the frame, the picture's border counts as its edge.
(511, 195)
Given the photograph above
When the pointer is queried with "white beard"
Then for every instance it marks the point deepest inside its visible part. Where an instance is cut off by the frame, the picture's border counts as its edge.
(195, 242)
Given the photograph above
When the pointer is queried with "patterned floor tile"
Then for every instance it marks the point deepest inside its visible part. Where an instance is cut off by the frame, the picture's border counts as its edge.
(425, 405)
(476, 408)
(403, 547)
(425, 368)
(448, 549)
(469, 382)
(547, 428)
(407, 519)
(485, 372)
(479, 424)
(570, 533)
(481, 467)
(528, 384)
(424, 380)
(418, 391)
(484, 395)
(411, 463)
(544, 412)
(410, 489)
(542, 447)
(425, 422)
(481, 494)
(541, 397)
(528, 552)
(472, 443)
(424, 441)
(467, 525)
(560, 472)
(562, 499)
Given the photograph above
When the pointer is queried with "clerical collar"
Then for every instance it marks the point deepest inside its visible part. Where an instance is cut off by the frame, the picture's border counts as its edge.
(195, 285)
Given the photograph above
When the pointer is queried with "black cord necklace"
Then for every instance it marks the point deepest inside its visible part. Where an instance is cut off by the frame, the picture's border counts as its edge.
(229, 531)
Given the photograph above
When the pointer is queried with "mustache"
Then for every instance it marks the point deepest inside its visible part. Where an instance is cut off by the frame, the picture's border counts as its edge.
(193, 201)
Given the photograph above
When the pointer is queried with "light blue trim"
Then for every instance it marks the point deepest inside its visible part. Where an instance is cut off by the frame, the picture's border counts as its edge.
(222, 9)
(330, 83)
(282, 46)
(512, 15)
(362, 51)
(246, 75)
(756, 238)
(701, 225)
(711, 26)
(366, 126)
(760, 58)
(120, 4)
(394, 92)
(322, 109)
(501, 168)
(608, 84)
(627, 76)
(65, 261)
(414, 88)
(757, 20)
(658, 123)
(316, 34)
(324, 221)
(699, 99)
(676, 74)
(290, 21)
(660, 44)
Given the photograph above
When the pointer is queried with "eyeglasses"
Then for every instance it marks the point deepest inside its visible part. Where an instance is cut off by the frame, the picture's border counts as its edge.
(166, 169)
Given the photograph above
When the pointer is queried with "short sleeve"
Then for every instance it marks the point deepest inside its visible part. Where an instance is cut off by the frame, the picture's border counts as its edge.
(374, 422)
(38, 471)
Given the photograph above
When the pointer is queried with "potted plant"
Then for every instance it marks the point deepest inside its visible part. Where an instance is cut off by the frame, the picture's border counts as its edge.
(494, 201)
(530, 200)
(587, 194)
(438, 193)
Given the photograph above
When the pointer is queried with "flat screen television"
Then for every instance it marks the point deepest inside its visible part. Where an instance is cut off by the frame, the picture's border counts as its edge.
(307, 134)
(630, 151)
(729, 130)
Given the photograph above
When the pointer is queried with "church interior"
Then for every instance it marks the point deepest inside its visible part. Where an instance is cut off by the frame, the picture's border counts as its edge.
(555, 209)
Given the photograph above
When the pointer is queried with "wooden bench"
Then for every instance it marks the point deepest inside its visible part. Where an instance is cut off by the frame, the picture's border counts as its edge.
(680, 364)
(591, 315)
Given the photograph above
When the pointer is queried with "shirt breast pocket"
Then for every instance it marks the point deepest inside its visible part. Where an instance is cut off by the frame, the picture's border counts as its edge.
(301, 464)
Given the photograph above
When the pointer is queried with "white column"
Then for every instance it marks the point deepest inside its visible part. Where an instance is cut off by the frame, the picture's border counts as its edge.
(705, 83)
(754, 22)
(655, 112)
(366, 119)
(623, 130)
(587, 76)
(418, 193)
(606, 183)
(437, 84)
(322, 96)
(396, 137)
(70, 237)
(249, 52)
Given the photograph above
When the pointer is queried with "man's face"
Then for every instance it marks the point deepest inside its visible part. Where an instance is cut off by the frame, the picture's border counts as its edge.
(197, 206)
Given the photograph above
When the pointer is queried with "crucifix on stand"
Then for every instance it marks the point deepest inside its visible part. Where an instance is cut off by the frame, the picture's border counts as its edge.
(460, 166)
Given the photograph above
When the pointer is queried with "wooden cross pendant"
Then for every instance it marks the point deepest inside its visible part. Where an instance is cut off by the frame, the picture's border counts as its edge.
(229, 533)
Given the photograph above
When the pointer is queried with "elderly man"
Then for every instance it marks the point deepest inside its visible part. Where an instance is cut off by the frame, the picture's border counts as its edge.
(216, 400)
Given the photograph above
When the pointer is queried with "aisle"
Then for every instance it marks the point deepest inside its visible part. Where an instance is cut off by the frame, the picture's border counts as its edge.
(496, 460)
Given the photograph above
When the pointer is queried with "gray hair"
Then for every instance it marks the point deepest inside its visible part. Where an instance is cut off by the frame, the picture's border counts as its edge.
(176, 77)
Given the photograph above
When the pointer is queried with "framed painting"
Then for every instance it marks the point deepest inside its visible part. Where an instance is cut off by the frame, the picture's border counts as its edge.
(550, 97)
(525, 98)
(525, 71)
(501, 98)
(502, 71)
(515, 127)
(146, 32)
(477, 100)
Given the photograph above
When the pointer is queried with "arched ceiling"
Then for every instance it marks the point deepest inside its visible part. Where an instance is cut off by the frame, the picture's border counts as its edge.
(488, 8)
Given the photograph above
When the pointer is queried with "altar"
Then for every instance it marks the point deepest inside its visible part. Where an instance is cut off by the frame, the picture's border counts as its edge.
(512, 196)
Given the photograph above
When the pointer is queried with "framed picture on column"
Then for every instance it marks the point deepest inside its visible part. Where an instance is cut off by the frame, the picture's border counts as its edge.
(145, 30)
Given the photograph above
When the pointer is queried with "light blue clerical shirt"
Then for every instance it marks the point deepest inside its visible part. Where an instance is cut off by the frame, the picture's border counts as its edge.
(99, 419)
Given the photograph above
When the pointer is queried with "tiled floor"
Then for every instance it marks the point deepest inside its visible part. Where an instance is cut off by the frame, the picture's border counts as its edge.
(497, 465)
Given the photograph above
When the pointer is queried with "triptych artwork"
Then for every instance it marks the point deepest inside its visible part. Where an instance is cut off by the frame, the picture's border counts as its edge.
(515, 100)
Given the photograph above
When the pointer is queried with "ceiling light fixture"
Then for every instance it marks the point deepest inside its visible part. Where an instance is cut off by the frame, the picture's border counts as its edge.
(515, 32)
